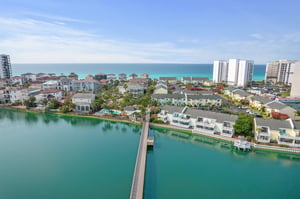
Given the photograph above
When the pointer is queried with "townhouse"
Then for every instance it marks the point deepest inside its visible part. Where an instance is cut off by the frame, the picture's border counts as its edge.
(194, 80)
(284, 132)
(198, 120)
(258, 101)
(279, 107)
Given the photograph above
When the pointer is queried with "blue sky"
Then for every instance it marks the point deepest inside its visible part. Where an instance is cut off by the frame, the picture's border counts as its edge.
(156, 31)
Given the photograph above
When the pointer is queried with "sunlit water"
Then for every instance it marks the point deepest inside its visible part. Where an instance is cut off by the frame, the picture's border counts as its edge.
(48, 156)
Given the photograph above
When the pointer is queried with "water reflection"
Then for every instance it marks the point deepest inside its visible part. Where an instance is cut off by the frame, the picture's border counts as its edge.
(225, 147)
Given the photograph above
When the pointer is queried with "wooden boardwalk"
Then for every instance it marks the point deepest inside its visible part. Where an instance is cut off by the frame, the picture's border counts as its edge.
(137, 187)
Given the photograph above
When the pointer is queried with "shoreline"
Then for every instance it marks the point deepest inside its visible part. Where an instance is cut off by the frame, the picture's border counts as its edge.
(259, 147)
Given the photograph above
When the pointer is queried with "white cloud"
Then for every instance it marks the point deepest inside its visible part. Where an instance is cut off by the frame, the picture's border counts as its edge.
(55, 41)
(256, 36)
(35, 41)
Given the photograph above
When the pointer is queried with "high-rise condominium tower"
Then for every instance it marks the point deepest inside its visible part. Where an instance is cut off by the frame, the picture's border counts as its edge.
(5, 67)
(233, 72)
(295, 82)
(280, 72)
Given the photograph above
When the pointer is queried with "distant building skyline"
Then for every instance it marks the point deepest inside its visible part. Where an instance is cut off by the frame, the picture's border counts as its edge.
(5, 67)
(150, 31)
(237, 72)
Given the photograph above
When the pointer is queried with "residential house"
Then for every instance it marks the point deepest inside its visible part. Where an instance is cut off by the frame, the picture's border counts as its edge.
(161, 89)
(52, 84)
(283, 132)
(130, 110)
(170, 80)
(258, 101)
(171, 114)
(65, 84)
(2, 100)
(89, 77)
(191, 92)
(83, 102)
(73, 76)
(194, 80)
(229, 91)
(204, 100)
(50, 94)
(122, 77)
(199, 120)
(145, 75)
(17, 80)
(15, 94)
(279, 107)
(137, 86)
(133, 76)
(85, 85)
(212, 122)
(100, 76)
(172, 99)
(28, 77)
(239, 95)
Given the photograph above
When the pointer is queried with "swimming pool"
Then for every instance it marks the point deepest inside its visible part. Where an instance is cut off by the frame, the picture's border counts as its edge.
(116, 112)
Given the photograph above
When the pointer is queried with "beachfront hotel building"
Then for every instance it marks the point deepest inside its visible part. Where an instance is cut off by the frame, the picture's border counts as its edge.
(5, 68)
(295, 90)
(280, 72)
(234, 72)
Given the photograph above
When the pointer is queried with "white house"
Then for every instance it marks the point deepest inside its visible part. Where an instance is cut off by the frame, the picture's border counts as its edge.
(83, 101)
(52, 84)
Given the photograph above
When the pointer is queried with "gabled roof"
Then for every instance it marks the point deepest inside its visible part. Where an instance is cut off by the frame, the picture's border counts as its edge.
(84, 96)
(198, 92)
(263, 100)
(230, 88)
(161, 86)
(273, 124)
(171, 96)
(211, 97)
(195, 78)
(50, 91)
(241, 93)
(276, 105)
(129, 108)
(219, 117)
(172, 109)
(297, 125)
(167, 78)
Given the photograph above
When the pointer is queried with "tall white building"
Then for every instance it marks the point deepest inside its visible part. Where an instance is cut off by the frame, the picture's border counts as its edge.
(280, 71)
(5, 67)
(233, 72)
(295, 90)
(220, 73)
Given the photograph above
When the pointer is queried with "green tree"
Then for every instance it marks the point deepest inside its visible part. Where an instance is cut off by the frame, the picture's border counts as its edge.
(54, 104)
(67, 106)
(97, 104)
(30, 102)
(44, 101)
(243, 125)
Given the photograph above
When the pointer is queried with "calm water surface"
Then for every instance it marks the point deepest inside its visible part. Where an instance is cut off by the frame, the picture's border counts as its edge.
(49, 156)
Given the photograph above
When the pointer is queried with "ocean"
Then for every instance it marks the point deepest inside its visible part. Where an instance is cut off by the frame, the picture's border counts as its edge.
(154, 70)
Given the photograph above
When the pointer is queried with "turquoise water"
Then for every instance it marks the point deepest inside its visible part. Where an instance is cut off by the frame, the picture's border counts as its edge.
(155, 70)
(45, 156)
(110, 111)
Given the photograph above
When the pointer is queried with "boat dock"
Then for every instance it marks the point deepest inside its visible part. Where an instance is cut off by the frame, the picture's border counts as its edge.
(242, 145)
(137, 187)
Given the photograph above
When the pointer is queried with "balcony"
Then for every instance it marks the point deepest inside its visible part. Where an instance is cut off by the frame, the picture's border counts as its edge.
(262, 137)
(227, 133)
